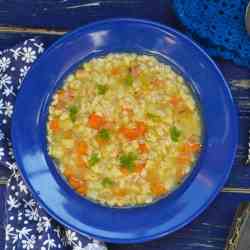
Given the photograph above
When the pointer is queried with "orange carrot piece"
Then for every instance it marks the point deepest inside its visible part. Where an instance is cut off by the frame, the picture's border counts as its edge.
(96, 121)
(141, 128)
(134, 133)
(195, 147)
(139, 167)
(158, 189)
(153, 179)
(175, 101)
(74, 182)
(80, 163)
(115, 71)
(82, 189)
(129, 133)
(156, 186)
(189, 148)
(81, 148)
(183, 160)
(143, 147)
(54, 125)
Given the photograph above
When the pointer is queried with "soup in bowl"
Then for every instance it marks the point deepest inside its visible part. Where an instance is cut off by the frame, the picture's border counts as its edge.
(125, 129)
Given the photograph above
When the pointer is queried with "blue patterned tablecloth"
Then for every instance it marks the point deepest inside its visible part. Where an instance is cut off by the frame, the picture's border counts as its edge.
(27, 226)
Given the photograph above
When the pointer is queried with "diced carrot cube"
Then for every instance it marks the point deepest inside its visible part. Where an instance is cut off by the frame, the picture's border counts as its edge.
(74, 182)
(139, 167)
(175, 100)
(129, 133)
(80, 163)
(81, 148)
(115, 71)
(96, 121)
(82, 189)
(190, 148)
(134, 133)
(143, 147)
(158, 189)
(195, 147)
(183, 160)
(141, 128)
(54, 125)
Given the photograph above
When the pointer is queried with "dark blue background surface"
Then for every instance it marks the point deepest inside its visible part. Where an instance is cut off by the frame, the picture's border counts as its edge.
(210, 230)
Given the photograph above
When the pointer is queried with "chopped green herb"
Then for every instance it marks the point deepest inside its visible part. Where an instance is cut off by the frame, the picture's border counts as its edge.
(107, 182)
(128, 160)
(73, 110)
(175, 134)
(153, 117)
(104, 134)
(94, 158)
(101, 89)
(129, 80)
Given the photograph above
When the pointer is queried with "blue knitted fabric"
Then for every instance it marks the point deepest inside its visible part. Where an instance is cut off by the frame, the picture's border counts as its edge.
(218, 26)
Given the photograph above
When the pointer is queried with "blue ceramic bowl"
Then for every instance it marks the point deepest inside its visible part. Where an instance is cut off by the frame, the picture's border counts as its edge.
(130, 224)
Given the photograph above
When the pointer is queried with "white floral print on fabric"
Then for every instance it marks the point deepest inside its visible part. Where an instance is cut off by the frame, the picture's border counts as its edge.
(27, 226)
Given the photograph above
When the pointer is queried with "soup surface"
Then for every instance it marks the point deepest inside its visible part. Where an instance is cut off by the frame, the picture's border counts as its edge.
(124, 129)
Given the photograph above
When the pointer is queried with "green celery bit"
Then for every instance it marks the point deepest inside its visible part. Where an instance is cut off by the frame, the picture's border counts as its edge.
(104, 134)
(128, 160)
(73, 110)
(175, 134)
(94, 158)
(107, 182)
(129, 80)
(101, 89)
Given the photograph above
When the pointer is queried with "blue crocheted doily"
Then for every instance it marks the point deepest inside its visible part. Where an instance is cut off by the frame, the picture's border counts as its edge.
(218, 26)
